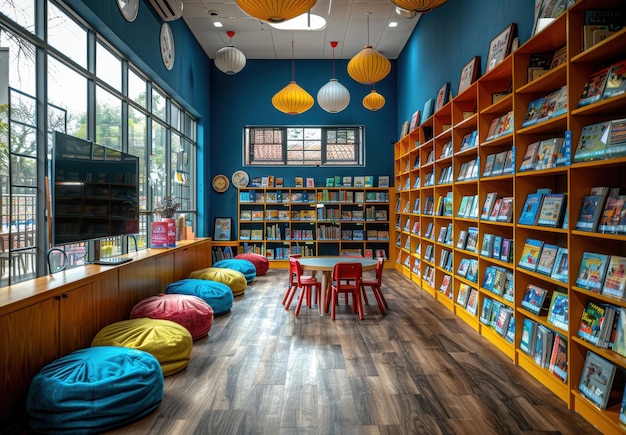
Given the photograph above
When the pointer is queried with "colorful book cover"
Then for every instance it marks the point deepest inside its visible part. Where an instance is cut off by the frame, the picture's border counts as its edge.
(528, 336)
(551, 211)
(547, 153)
(611, 214)
(595, 87)
(547, 259)
(616, 81)
(530, 254)
(591, 321)
(592, 142)
(558, 360)
(472, 301)
(530, 157)
(485, 312)
(592, 270)
(530, 209)
(532, 114)
(534, 298)
(596, 380)
(558, 311)
(617, 139)
(559, 272)
(615, 281)
(589, 214)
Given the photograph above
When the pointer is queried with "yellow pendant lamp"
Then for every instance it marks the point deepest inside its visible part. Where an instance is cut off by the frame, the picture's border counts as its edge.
(374, 101)
(418, 5)
(292, 99)
(368, 66)
(275, 11)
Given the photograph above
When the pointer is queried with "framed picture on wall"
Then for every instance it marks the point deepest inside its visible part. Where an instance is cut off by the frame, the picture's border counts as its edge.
(500, 46)
(222, 230)
(469, 73)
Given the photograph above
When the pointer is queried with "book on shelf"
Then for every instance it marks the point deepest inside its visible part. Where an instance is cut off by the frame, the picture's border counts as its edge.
(489, 278)
(472, 239)
(530, 254)
(592, 320)
(415, 120)
(497, 247)
(558, 358)
(530, 157)
(558, 310)
(462, 295)
(530, 210)
(505, 214)
(543, 345)
(596, 380)
(245, 215)
(547, 108)
(498, 164)
(489, 161)
(445, 284)
(615, 280)
(590, 212)
(547, 259)
(594, 88)
(559, 57)
(382, 235)
(485, 310)
(505, 125)
(501, 324)
(527, 340)
(493, 127)
(506, 254)
(551, 210)
(472, 270)
(532, 113)
(616, 80)
(593, 142)
(592, 271)
(559, 272)
(534, 299)
(463, 267)
(495, 210)
(487, 245)
(509, 162)
(600, 23)
(547, 153)
(490, 200)
(611, 214)
(560, 103)
(472, 301)
(509, 286)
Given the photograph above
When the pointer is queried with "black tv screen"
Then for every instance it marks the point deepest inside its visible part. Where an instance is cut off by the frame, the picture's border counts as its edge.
(95, 193)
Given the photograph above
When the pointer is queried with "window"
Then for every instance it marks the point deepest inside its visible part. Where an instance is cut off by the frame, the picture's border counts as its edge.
(303, 146)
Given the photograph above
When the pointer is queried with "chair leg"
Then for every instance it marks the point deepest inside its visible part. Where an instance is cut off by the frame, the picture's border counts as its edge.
(292, 293)
(333, 302)
(382, 297)
(303, 292)
(287, 293)
(377, 295)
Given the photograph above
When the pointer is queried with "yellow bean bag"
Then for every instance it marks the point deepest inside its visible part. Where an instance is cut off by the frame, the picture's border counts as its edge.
(232, 278)
(169, 342)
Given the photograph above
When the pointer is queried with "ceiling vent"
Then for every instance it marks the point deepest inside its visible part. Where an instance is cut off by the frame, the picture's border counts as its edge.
(169, 10)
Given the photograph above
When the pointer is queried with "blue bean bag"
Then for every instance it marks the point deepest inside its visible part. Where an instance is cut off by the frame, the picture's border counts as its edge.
(240, 265)
(218, 295)
(94, 390)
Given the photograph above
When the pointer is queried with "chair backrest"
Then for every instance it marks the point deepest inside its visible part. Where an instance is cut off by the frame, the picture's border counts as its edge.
(379, 270)
(295, 270)
(351, 271)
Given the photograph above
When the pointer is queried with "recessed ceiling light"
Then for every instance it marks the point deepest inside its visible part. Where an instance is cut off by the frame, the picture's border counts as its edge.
(218, 24)
(393, 24)
(305, 21)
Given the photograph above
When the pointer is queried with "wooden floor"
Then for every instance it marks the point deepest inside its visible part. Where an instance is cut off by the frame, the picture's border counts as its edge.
(416, 370)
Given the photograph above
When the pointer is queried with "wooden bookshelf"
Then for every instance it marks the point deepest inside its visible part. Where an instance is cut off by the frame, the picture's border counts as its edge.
(277, 222)
(475, 109)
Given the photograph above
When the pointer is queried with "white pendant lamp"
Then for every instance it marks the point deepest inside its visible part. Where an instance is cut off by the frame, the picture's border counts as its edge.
(230, 60)
(333, 97)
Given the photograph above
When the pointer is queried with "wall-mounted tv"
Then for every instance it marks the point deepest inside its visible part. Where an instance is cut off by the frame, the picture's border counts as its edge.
(95, 191)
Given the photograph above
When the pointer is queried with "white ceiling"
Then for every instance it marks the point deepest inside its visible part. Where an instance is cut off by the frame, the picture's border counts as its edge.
(346, 24)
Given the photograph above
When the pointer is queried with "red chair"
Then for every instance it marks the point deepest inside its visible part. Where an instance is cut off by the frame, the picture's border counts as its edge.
(376, 284)
(305, 283)
(347, 280)
(293, 280)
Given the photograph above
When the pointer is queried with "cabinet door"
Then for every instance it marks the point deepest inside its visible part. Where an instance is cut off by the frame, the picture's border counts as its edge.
(184, 262)
(137, 281)
(85, 310)
(165, 266)
(203, 255)
(28, 340)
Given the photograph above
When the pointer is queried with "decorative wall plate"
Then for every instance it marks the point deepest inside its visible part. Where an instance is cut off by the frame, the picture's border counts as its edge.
(220, 183)
(166, 40)
(129, 9)
(240, 179)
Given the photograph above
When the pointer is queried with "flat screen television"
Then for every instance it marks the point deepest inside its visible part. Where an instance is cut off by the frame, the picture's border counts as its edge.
(95, 191)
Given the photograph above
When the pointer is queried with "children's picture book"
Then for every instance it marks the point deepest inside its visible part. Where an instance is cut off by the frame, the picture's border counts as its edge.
(505, 214)
(547, 153)
(551, 211)
(489, 161)
(613, 209)
(485, 311)
(559, 272)
(530, 157)
(530, 254)
(616, 80)
(498, 164)
(490, 200)
(615, 280)
(547, 259)
(472, 301)
(595, 87)
(591, 322)
(558, 312)
(527, 342)
(532, 114)
(558, 359)
(534, 298)
(463, 295)
(530, 210)
(592, 270)
(596, 380)
(592, 142)
(590, 212)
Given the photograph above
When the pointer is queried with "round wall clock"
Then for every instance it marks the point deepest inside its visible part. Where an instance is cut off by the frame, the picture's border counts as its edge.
(167, 46)
(220, 183)
(240, 179)
(129, 9)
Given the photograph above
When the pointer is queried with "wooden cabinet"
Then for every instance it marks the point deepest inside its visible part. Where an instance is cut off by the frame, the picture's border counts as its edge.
(313, 221)
(508, 88)
(46, 318)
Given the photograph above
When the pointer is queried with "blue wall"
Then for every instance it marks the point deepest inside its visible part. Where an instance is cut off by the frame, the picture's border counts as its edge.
(245, 99)
(446, 39)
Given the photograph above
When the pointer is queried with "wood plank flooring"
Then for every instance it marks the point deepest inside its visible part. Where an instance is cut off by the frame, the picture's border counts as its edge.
(416, 370)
